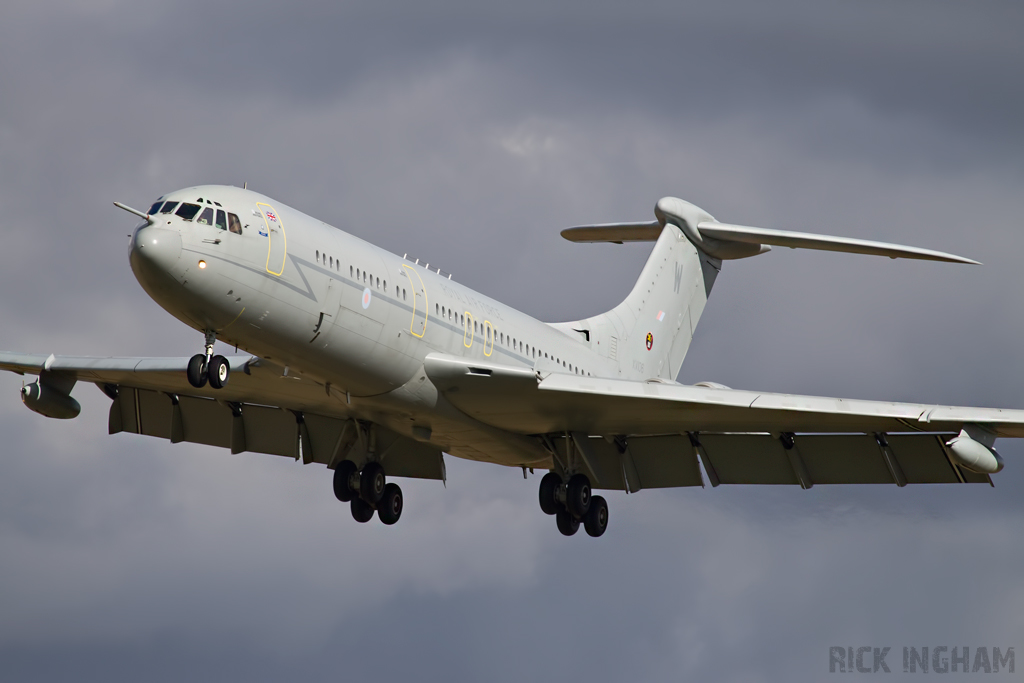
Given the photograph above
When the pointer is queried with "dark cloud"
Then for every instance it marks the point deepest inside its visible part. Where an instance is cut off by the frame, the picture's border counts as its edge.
(468, 136)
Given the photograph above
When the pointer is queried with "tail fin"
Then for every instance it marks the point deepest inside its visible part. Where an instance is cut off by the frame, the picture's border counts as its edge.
(649, 333)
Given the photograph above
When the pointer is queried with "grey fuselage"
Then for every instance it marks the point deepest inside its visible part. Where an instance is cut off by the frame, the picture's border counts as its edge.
(342, 312)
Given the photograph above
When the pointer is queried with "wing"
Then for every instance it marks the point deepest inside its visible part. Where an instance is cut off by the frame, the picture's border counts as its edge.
(660, 431)
(264, 409)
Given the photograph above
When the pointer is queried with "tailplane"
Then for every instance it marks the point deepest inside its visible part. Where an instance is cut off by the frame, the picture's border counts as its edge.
(649, 333)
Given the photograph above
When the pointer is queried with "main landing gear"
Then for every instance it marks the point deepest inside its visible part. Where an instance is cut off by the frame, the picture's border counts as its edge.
(367, 491)
(204, 367)
(571, 503)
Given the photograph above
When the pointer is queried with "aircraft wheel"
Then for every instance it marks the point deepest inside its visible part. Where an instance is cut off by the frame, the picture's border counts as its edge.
(549, 484)
(342, 476)
(567, 524)
(197, 371)
(389, 509)
(371, 483)
(362, 511)
(219, 371)
(577, 495)
(596, 520)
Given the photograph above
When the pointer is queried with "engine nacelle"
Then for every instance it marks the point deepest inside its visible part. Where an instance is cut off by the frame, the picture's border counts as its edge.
(974, 455)
(46, 400)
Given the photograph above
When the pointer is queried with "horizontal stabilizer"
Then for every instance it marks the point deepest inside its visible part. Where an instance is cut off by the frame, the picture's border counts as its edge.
(725, 241)
(802, 240)
(614, 232)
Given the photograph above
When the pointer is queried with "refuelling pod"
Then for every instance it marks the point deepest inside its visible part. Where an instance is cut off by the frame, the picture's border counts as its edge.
(51, 396)
(973, 450)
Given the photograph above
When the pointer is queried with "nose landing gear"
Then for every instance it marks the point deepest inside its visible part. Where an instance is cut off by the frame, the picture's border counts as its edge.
(204, 367)
(367, 491)
(571, 503)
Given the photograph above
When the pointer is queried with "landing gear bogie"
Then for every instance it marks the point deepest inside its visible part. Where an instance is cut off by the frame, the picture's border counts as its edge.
(572, 504)
(367, 491)
(206, 367)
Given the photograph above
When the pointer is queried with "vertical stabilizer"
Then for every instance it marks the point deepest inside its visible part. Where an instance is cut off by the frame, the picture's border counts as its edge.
(649, 333)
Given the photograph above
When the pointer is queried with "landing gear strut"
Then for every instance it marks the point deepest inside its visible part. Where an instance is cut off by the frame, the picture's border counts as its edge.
(571, 503)
(204, 367)
(367, 491)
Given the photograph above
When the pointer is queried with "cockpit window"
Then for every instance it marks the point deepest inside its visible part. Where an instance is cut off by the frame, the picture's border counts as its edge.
(206, 217)
(234, 224)
(222, 221)
(168, 207)
(153, 209)
(187, 211)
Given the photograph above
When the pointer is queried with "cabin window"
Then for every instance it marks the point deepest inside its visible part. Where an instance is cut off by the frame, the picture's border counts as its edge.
(187, 211)
(437, 310)
(234, 225)
(318, 256)
(350, 271)
(364, 277)
(206, 217)
(168, 207)
(330, 259)
(403, 293)
(378, 283)
(222, 219)
(385, 285)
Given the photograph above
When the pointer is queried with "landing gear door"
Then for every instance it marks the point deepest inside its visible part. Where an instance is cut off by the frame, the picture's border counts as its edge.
(277, 245)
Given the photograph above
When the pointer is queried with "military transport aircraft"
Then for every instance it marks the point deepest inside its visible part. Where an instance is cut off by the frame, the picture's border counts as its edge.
(373, 364)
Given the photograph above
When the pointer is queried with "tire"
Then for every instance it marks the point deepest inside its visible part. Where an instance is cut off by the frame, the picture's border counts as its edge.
(577, 495)
(549, 484)
(362, 511)
(389, 509)
(342, 476)
(596, 520)
(567, 524)
(219, 372)
(197, 371)
(371, 483)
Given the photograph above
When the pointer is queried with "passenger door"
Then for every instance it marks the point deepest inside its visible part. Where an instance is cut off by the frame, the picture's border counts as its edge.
(277, 242)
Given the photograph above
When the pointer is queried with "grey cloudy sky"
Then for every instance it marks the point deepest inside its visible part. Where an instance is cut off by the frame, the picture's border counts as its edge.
(468, 135)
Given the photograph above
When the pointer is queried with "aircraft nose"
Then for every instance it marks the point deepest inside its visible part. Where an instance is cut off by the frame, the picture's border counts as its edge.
(156, 248)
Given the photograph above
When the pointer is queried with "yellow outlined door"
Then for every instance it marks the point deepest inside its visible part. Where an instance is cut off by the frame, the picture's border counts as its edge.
(277, 242)
(418, 326)
(467, 331)
(488, 338)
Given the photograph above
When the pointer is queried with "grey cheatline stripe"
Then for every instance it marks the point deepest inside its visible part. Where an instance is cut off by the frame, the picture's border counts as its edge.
(301, 263)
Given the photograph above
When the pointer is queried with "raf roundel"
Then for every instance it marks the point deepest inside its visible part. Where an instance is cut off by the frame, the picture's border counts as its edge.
(650, 341)
(366, 298)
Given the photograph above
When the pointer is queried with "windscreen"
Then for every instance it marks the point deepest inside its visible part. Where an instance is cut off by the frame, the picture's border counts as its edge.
(187, 211)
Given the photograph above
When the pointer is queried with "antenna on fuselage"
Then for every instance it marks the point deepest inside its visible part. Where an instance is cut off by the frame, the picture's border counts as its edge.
(245, 185)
